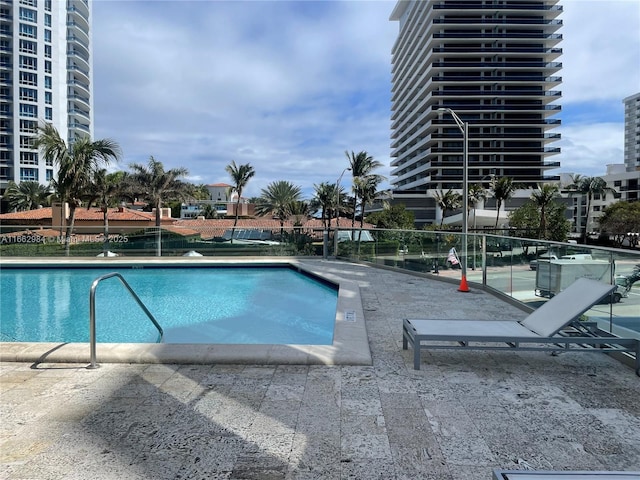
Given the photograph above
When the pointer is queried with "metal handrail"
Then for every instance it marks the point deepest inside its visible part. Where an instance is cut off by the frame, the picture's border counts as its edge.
(92, 312)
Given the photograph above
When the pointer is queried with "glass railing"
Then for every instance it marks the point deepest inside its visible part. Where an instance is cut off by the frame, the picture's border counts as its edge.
(527, 271)
(523, 270)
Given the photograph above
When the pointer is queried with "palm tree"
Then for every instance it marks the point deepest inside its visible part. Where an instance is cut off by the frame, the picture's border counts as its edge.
(361, 164)
(477, 193)
(26, 195)
(324, 199)
(105, 190)
(277, 199)
(240, 175)
(299, 212)
(502, 189)
(448, 200)
(76, 164)
(543, 198)
(368, 188)
(156, 185)
(589, 186)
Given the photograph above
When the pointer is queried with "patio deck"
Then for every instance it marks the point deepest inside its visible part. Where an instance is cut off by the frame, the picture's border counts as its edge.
(459, 417)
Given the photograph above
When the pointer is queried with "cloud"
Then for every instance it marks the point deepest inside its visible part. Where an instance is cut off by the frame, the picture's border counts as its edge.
(580, 154)
(288, 86)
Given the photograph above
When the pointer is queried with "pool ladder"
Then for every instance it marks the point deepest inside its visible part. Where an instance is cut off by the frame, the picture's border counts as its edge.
(92, 313)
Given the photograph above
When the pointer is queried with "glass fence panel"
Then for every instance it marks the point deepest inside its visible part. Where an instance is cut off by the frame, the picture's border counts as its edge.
(530, 271)
(88, 241)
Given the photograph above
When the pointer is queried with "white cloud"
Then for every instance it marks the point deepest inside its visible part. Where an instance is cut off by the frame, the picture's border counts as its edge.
(289, 86)
(581, 154)
(601, 50)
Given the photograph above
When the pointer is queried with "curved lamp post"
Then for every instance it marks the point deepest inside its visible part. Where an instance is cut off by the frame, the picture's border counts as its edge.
(464, 128)
(335, 238)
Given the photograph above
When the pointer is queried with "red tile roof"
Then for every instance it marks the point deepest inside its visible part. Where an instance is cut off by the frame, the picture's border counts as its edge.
(83, 214)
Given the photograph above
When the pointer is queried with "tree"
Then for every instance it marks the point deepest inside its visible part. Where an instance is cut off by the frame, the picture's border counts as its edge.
(367, 187)
(76, 164)
(590, 187)
(395, 217)
(277, 199)
(26, 196)
(543, 198)
(621, 220)
(156, 185)
(208, 211)
(240, 176)
(477, 193)
(104, 191)
(362, 165)
(448, 200)
(502, 189)
(325, 200)
(527, 219)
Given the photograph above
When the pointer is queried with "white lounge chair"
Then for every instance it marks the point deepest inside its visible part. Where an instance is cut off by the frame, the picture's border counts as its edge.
(541, 330)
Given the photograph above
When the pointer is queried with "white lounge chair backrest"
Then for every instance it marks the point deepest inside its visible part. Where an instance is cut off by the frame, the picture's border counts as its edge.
(568, 305)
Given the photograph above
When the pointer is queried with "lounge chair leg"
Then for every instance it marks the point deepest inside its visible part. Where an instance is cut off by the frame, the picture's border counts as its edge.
(416, 356)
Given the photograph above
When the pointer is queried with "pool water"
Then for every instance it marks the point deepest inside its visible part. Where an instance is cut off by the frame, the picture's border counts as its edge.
(275, 305)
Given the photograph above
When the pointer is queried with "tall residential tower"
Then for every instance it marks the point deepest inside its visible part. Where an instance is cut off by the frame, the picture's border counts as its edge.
(45, 76)
(494, 63)
(632, 133)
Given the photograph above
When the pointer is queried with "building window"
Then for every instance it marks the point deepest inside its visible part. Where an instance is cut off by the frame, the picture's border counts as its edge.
(28, 174)
(28, 63)
(47, 81)
(28, 126)
(49, 174)
(47, 51)
(47, 5)
(27, 46)
(4, 140)
(28, 94)
(48, 162)
(48, 113)
(47, 19)
(47, 35)
(47, 66)
(29, 31)
(29, 158)
(31, 3)
(27, 110)
(27, 141)
(27, 78)
(28, 15)
(48, 98)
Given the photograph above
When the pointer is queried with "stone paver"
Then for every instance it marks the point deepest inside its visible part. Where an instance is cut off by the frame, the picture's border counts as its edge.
(462, 415)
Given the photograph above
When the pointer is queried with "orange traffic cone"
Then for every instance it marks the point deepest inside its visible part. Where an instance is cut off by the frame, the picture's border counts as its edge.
(463, 285)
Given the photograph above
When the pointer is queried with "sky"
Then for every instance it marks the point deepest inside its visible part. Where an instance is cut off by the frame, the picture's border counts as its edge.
(289, 87)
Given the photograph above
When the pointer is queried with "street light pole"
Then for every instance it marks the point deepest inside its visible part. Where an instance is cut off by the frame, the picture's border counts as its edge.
(464, 128)
(335, 236)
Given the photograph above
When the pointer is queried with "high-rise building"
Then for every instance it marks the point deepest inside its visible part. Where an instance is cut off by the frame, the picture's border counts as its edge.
(493, 63)
(45, 76)
(632, 133)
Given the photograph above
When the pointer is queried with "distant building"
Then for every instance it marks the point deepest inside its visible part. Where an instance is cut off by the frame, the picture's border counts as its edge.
(46, 75)
(494, 65)
(221, 200)
(632, 133)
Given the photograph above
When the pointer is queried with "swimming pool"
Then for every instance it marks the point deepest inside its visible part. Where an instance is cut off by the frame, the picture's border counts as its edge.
(210, 305)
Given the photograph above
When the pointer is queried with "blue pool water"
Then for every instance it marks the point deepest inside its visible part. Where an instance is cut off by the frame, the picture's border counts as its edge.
(192, 304)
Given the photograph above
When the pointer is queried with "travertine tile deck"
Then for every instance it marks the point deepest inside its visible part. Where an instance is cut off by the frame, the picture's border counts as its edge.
(459, 417)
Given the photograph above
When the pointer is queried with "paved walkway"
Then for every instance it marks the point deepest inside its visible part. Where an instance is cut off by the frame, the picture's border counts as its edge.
(460, 416)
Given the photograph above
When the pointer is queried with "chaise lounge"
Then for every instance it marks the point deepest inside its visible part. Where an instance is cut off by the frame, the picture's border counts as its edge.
(552, 327)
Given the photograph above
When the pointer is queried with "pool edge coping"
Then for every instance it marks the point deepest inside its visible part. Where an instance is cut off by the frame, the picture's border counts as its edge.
(350, 341)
